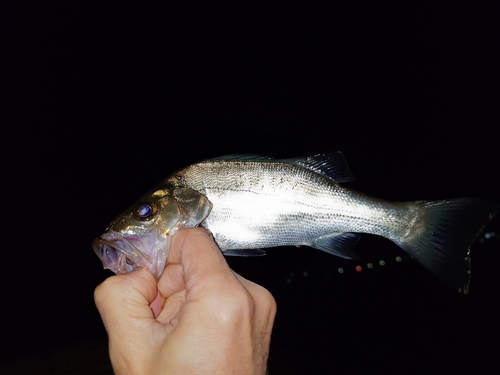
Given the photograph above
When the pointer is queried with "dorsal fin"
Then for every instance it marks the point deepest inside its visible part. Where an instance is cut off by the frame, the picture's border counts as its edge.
(240, 157)
(331, 164)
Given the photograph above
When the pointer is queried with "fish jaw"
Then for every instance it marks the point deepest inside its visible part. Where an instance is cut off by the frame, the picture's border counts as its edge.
(123, 253)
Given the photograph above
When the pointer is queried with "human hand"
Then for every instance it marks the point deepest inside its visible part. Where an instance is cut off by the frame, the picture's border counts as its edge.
(200, 318)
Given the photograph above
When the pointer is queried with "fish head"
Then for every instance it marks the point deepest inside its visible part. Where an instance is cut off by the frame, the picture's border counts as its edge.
(140, 236)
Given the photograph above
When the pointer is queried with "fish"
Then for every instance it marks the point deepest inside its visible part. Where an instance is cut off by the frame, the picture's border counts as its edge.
(249, 203)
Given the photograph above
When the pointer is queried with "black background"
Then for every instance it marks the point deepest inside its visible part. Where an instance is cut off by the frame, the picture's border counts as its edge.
(99, 100)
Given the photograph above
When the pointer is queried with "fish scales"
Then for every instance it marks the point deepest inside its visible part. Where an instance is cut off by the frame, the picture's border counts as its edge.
(251, 203)
(267, 204)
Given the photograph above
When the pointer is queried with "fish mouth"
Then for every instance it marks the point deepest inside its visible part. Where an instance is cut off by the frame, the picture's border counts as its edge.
(122, 254)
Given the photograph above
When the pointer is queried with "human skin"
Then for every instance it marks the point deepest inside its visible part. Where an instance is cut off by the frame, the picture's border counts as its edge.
(199, 318)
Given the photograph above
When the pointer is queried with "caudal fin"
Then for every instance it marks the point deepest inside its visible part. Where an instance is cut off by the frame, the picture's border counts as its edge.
(442, 235)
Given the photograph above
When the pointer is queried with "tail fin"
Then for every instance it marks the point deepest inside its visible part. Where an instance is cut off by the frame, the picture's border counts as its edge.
(442, 234)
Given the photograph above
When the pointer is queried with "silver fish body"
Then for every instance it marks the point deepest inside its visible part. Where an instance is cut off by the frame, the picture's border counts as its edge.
(249, 203)
(266, 203)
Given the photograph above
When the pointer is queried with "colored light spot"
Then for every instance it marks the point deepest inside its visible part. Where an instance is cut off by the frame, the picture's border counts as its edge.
(369, 265)
(341, 270)
(381, 262)
(398, 259)
(489, 235)
(358, 268)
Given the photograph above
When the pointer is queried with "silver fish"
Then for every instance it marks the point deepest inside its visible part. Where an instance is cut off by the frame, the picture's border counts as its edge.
(251, 202)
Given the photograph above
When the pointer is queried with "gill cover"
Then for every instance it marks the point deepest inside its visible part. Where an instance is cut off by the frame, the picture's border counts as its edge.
(141, 238)
(194, 205)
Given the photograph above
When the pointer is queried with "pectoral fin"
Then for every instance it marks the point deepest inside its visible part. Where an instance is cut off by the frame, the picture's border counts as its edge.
(195, 206)
(244, 253)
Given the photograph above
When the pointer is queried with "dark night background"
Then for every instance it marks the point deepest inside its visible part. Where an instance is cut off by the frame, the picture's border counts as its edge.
(100, 100)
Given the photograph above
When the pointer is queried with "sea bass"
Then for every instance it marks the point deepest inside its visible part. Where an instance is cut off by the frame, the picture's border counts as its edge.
(249, 203)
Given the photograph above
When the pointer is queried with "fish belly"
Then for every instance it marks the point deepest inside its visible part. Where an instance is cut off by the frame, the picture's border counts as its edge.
(265, 206)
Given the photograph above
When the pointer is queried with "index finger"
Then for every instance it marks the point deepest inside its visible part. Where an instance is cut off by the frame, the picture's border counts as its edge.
(193, 255)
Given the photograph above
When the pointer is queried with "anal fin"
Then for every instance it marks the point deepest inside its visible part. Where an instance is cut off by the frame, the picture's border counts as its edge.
(338, 244)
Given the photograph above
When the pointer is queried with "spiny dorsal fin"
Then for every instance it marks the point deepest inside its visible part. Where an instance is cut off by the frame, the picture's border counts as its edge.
(331, 164)
(240, 157)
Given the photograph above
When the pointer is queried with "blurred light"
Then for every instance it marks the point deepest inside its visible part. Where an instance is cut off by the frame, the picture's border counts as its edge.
(305, 273)
(341, 270)
(358, 268)
(381, 262)
(398, 259)
(489, 235)
(369, 265)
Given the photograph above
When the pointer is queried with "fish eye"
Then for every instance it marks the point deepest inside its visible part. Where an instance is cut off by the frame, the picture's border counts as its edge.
(146, 211)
